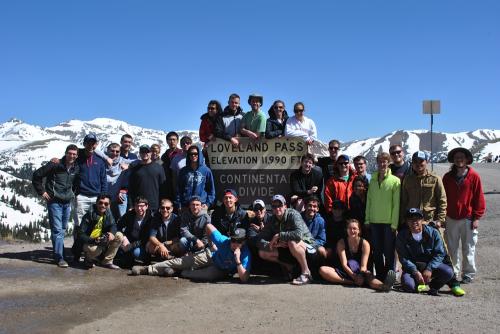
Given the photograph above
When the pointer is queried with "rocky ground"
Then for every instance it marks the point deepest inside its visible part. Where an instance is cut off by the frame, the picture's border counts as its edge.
(38, 297)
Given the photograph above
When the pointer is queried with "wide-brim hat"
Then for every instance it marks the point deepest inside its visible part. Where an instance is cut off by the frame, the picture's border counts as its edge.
(468, 154)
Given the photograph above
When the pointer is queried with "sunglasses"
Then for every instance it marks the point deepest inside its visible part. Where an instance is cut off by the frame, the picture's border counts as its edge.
(186, 144)
(333, 148)
(114, 151)
(166, 208)
(395, 152)
(193, 154)
(298, 110)
(344, 163)
(103, 203)
(211, 108)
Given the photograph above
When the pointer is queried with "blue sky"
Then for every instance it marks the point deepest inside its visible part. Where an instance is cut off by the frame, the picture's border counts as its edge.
(362, 68)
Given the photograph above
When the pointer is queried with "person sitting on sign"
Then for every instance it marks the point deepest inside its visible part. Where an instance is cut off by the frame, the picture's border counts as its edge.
(207, 126)
(275, 124)
(301, 126)
(227, 125)
(253, 123)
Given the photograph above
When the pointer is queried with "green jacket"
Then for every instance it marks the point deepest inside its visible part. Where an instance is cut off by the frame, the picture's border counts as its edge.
(382, 204)
(291, 228)
(426, 193)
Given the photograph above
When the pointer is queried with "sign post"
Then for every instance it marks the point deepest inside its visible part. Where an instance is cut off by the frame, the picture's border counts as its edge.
(431, 107)
(255, 169)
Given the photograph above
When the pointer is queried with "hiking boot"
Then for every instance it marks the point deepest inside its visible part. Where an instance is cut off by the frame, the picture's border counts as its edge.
(168, 272)
(303, 279)
(139, 270)
(457, 291)
(62, 263)
(389, 281)
(88, 264)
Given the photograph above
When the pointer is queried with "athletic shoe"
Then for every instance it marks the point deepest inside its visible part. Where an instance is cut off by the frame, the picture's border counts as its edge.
(433, 292)
(302, 279)
(139, 270)
(423, 288)
(88, 264)
(62, 264)
(457, 291)
(389, 281)
(466, 280)
(111, 266)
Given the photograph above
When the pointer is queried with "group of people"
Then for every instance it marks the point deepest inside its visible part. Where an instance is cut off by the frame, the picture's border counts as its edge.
(158, 214)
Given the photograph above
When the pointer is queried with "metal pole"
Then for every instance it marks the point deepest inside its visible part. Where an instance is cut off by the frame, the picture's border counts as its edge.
(432, 122)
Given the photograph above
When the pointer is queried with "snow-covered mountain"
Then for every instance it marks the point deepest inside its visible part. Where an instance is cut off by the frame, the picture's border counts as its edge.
(24, 147)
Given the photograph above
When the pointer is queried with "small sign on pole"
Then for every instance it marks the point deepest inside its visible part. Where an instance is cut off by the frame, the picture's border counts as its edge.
(431, 107)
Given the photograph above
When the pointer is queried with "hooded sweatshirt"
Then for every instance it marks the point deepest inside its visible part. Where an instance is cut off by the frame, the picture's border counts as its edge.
(228, 123)
(195, 182)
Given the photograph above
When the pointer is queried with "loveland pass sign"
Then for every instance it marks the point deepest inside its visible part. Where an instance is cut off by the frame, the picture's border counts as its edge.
(255, 169)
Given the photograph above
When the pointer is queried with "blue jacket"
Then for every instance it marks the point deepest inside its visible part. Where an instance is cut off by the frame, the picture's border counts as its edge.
(93, 180)
(317, 228)
(430, 250)
(195, 182)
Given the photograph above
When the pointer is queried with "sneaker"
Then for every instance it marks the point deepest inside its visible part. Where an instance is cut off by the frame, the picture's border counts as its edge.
(302, 279)
(168, 272)
(457, 291)
(433, 292)
(88, 264)
(389, 281)
(139, 270)
(423, 288)
(466, 280)
(111, 266)
(62, 263)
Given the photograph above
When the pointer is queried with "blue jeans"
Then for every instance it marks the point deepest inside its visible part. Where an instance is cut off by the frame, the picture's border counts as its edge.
(58, 218)
(383, 241)
(440, 276)
(187, 246)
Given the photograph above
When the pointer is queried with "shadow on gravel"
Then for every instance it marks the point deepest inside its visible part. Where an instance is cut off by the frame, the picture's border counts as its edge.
(39, 256)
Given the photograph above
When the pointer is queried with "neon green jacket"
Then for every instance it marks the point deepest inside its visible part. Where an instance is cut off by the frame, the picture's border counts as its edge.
(382, 204)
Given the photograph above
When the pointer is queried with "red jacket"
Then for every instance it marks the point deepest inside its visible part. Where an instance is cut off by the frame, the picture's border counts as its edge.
(207, 127)
(336, 188)
(465, 200)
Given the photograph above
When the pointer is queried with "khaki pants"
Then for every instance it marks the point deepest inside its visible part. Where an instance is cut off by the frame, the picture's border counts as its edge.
(189, 261)
(93, 251)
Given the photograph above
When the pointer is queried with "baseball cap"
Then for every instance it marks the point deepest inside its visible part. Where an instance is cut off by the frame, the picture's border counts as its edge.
(144, 148)
(258, 204)
(279, 198)
(231, 191)
(90, 137)
(238, 234)
(344, 157)
(419, 155)
(414, 212)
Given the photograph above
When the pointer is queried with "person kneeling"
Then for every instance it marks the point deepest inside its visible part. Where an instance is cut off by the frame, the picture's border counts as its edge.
(353, 252)
(232, 256)
(421, 253)
(98, 235)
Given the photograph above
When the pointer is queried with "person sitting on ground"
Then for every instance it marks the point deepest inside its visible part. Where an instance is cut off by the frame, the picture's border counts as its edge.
(421, 253)
(353, 252)
(232, 256)
(315, 223)
(229, 216)
(256, 222)
(286, 240)
(208, 119)
(164, 234)
(195, 179)
(275, 124)
(193, 244)
(306, 181)
(301, 126)
(135, 226)
(227, 125)
(99, 235)
(253, 123)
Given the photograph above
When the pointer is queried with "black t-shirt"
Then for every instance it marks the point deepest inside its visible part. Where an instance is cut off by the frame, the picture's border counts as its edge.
(147, 181)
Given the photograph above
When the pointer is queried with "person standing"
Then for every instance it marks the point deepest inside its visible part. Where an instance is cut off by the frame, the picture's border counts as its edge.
(399, 167)
(62, 180)
(465, 207)
(382, 215)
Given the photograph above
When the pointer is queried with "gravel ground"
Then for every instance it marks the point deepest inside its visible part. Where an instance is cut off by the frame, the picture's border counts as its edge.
(38, 297)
